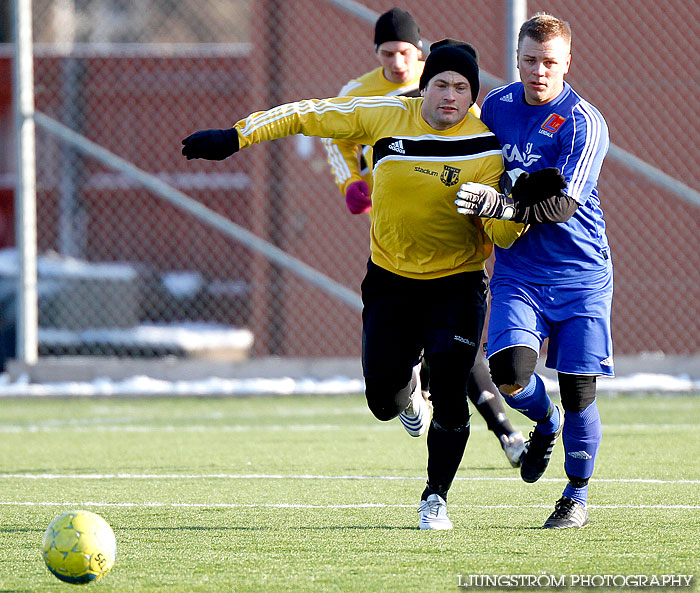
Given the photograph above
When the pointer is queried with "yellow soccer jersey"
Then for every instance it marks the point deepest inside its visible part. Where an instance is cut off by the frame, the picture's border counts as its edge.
(349, 161)
(416, 230)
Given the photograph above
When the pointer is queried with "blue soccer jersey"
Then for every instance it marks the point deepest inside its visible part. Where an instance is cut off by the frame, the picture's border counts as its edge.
(568, 133)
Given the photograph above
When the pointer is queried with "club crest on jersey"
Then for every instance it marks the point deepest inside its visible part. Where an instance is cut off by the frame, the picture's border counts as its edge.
(450, 175)
(552, 124)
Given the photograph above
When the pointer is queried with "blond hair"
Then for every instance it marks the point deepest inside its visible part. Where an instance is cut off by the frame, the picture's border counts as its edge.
(543, 27)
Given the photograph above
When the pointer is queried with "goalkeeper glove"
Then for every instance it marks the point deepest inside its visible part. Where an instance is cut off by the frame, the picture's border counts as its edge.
(477, 199)
(357, 197)
(213, 145)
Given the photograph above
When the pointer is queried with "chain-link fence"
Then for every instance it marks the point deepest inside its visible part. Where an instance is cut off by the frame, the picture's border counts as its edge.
(123, 271)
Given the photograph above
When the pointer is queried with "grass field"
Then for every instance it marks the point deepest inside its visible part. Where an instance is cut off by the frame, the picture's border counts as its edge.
(311, 494)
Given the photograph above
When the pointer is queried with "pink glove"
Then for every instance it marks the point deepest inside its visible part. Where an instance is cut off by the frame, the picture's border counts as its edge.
(357, 197)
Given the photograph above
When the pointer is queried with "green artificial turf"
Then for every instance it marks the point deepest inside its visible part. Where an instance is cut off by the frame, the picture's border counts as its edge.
(312, 494)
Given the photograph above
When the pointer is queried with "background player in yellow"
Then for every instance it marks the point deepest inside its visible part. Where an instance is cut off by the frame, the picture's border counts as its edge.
(399, 50)
(425, 287)
(398, 47)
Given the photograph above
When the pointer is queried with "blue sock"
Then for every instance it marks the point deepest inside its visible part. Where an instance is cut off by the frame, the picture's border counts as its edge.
(534, 402)
(551, 425)
(581, 437)
(580, 495)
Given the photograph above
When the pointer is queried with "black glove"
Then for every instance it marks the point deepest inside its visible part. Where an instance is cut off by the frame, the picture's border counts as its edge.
(531, 188)
(213, 145)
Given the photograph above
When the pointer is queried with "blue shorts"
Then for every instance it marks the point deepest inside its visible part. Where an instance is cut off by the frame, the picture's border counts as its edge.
(575, 318)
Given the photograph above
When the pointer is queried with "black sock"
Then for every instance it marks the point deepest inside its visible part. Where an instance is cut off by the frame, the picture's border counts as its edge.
(445, 451)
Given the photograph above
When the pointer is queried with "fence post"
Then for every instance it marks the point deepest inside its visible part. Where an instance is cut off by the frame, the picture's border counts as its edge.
(25, 184)
(517, 15)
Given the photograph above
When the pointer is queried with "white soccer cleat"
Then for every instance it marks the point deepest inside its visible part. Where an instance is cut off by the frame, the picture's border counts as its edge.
(416, 417)
(432, 513)
(513, 446)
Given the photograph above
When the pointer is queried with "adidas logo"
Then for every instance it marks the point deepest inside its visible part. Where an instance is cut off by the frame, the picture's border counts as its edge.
(608, 362)
(580, 455)
(507, 98)
(397, 147)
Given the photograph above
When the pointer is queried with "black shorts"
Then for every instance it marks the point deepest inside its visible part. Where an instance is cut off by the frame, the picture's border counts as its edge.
(443, 318)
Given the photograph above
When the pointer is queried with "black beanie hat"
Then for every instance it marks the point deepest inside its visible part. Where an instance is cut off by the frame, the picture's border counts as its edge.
(397, 25)
(458, 56)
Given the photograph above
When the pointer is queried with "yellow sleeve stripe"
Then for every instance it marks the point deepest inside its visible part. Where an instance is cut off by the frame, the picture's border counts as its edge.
(319, 106)
(336, 160)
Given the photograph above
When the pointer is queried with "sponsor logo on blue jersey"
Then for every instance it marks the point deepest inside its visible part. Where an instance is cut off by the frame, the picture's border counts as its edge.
(551, 125)
(513, 154)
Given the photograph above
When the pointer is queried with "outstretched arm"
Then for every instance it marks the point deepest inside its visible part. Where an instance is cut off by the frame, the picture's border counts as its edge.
(339, 117)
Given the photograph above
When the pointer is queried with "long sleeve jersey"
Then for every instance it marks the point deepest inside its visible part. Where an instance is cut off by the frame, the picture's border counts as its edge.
(568, 133)
(416, 230)
(350, 161)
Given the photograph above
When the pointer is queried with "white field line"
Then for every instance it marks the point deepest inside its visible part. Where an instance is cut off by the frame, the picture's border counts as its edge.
(195, 505)
(100, 414)
(220, 476)
(213, 428)
(109, 428)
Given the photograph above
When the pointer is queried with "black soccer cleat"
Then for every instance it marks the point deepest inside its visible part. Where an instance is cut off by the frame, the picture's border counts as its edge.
(567, 513)
(538, 451)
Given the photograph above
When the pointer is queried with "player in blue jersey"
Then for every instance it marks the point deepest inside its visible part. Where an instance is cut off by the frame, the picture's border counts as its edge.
(556, 280)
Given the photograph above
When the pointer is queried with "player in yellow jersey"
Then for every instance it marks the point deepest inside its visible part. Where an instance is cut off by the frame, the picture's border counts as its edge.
(398, 47)
(425, 287)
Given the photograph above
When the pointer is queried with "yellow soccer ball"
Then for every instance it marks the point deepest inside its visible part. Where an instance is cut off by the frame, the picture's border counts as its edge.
(79, 547)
